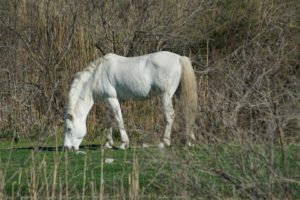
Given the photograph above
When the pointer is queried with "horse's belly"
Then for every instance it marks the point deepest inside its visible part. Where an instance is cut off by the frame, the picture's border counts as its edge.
(136, 93)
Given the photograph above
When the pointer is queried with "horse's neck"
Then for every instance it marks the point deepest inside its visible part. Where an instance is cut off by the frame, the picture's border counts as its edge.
(84, 103)
(83, 108)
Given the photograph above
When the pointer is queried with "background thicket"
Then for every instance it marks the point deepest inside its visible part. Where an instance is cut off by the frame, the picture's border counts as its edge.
(245, 55)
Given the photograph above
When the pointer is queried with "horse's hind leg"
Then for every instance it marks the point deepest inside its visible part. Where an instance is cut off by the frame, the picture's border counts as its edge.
(115, 108)
(191, 138)
(169, 118)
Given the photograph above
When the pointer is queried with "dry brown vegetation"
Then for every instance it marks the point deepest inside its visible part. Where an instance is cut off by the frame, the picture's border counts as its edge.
(245, 54)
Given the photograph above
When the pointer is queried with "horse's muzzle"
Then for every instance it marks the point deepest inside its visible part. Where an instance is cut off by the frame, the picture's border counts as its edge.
(69, 148)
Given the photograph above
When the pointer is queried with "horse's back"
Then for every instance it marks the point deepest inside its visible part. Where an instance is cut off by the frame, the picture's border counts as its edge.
(142, 76)
(153, 64)
(164, 57)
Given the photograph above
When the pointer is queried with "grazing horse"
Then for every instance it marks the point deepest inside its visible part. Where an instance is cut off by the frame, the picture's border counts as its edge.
(113, 78)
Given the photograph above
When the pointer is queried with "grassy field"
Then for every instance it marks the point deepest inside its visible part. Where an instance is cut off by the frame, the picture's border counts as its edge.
(206, 172)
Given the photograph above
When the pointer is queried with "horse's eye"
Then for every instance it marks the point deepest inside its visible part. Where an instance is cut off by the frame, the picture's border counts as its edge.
(69, 129)
(69, 116)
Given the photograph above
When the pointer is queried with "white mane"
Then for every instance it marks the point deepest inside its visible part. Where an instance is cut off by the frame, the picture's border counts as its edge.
(77, 86)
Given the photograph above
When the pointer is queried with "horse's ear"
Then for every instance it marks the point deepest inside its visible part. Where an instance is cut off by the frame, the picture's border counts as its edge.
(69, 116)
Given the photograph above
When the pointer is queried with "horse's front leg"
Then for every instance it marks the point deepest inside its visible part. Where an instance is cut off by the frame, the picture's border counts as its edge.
(109, 138)
(115, 108)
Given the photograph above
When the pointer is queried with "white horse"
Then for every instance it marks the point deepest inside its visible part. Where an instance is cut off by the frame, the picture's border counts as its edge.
(113, 78)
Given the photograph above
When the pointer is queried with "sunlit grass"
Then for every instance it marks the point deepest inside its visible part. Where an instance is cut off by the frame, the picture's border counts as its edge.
(181, 172)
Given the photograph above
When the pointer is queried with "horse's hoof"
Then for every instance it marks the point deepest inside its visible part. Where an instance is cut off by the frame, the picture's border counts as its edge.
(189, 144)
(124, 146)
(166, 142)
(145, 145)
(108, 145)
(161, 145)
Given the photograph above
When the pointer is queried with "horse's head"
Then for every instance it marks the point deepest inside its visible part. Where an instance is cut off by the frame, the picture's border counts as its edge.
(75, 130)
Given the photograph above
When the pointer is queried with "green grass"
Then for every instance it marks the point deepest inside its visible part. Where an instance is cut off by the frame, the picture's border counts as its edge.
(22, 163)
(209, 171)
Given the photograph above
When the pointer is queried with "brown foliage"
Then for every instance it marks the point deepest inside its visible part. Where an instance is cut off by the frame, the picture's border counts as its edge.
(244, 52)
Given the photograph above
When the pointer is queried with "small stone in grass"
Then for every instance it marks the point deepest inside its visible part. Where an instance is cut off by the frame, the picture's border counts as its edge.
(80, 152)
(108, 160)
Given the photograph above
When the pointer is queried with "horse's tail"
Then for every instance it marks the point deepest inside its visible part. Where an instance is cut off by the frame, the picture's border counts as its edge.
(188, 95)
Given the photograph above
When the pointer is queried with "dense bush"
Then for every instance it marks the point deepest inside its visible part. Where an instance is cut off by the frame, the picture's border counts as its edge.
(244, 53)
